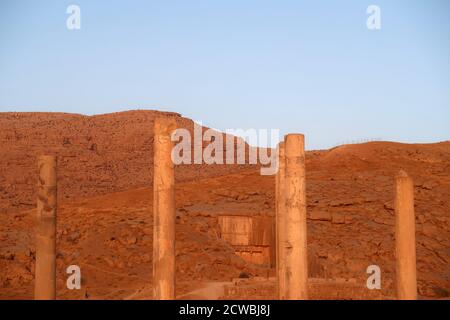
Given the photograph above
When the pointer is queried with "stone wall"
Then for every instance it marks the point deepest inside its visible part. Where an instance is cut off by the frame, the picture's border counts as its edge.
(253, 237)
(318, 289)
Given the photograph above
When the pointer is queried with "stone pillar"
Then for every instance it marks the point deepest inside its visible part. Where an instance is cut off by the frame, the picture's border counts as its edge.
(281, 222)
(163, 211)
(296, 241)
(405, 238)
(45, 272)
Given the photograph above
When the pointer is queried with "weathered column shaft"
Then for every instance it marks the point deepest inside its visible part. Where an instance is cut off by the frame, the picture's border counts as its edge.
(45, 272)
(296, 237)
(163, 211)
(281, 222)
(405, 238)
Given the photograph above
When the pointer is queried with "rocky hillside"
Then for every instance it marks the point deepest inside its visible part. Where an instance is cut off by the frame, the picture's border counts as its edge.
(105, 214)
(96, 154)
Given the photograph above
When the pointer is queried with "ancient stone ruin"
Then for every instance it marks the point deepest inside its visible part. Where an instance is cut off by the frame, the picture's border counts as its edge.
(262, 240)
(252, 237)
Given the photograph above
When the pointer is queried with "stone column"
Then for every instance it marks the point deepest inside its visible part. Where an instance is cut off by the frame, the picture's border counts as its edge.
(163, 211)
(281, 222)
(296, 241)
(45, 272)
(405, 238)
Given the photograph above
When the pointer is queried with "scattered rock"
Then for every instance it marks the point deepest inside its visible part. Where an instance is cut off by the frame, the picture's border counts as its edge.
(338, 218)
(428, 185)
(73, 237)
(131, 240)
(389, 205)
(109, 261)
(320, 216)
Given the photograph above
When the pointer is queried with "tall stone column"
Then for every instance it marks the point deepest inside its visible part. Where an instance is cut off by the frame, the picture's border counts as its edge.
(296, 240)
(163, 211)
(405, 238)
(281, 222)
(45, 272)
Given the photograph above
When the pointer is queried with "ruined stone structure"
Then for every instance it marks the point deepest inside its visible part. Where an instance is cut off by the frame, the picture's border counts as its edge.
(258, 239)
(45, 274)
(405, 238)
(318, 289)
(163, 211)
(252, 237)
(280, 207)
(296, 239)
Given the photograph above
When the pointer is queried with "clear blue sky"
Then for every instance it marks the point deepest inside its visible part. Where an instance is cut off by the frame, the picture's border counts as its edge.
(300, 66)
